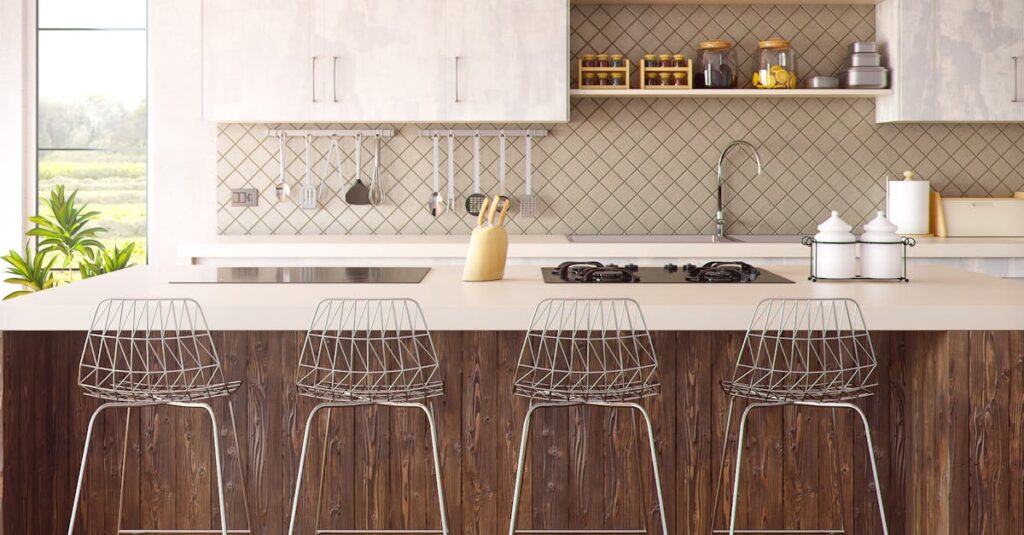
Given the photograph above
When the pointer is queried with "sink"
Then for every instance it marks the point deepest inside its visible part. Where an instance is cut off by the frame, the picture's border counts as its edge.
(682, 238)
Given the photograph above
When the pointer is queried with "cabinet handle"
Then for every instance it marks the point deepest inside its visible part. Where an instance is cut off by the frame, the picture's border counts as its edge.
(1016, 80)
(458, 59)
(314, 78)
(334, 79)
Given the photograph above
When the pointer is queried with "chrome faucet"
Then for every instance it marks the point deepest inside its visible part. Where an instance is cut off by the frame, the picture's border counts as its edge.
(720, 213)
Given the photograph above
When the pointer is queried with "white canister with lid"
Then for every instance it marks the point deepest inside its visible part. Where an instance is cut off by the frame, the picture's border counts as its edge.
(881, 250)
(836, 249)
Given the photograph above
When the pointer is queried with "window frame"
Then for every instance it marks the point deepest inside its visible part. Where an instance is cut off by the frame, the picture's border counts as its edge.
(38, 150)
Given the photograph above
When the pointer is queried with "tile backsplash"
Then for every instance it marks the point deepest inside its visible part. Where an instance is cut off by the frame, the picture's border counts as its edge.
(646, 166)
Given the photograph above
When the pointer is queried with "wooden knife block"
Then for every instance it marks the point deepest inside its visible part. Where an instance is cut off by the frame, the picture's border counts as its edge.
(488, 250)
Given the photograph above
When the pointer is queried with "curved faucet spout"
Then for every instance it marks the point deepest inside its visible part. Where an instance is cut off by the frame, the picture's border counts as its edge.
(720, 212)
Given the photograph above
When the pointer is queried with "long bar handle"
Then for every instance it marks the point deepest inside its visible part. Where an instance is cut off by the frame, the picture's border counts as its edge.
(458, 61)
(314, 77)
(334, 79)
(1016, 80)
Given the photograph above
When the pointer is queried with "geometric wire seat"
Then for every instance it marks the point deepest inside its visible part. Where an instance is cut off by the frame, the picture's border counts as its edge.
(802, 350)
(587, 350)
(362, 351)
(151, 350)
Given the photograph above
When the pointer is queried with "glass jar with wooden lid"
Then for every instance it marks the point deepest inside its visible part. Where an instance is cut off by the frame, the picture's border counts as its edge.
(717, 64)
(678, 60)
(650, 60)
(589, 60)
(777, 68)
(617, 61)
(619, 79)
(602, 79)
(602, 60)
(665, 78)
(665, 60)
(651, 79)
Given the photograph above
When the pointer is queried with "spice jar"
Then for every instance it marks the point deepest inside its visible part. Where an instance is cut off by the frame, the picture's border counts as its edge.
(717, 64)
(679, 60)
(679, 78)
(618, 79)
(776, 65)
(602, 79)
(589, 60)
(652, 79)
(650, 60)
(617, 60)
(665, 60)
(602, 60)
(665, 78)
(589, 78)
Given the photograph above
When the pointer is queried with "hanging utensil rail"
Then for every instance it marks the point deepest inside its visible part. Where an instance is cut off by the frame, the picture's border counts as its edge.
(483, 133)
(331, 133)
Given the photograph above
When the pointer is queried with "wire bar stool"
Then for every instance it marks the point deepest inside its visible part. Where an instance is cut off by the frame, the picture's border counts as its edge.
(587, 352)
(368, 352)
(804, 352)
(149, 352)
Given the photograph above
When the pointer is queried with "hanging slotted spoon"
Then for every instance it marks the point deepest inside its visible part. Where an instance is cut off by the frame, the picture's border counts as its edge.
(528, 202)
(307, 193)
(283, 190)
(358, 194)
(475, 202)
(436, 204)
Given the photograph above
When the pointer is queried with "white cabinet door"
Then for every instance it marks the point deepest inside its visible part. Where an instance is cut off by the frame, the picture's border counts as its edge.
(384, 60)
(508, 61)
(952, 60)
(258, 60)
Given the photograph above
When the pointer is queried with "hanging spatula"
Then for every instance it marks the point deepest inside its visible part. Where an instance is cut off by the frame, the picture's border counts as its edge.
(358, 194)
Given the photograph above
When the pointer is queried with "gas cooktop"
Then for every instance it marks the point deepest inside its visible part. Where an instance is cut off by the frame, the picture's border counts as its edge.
(710, 273)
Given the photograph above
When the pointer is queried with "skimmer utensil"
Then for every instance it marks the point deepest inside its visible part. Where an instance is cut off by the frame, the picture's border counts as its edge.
(451, 171)
(436, 204)
(358, 193)
(501, 170)
(307, 193)
(475, 202)
(528, 202)
(283, 190)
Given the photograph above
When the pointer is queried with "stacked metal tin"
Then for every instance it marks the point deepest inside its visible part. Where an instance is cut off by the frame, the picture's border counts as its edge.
(862, 68)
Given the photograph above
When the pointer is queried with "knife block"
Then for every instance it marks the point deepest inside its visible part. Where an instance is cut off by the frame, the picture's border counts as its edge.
(488, 250)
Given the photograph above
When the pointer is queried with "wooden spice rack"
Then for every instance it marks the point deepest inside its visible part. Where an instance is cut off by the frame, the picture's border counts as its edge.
(688, 70)
(581, 69)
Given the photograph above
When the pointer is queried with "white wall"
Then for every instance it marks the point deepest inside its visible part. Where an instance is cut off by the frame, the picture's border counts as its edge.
(14, 86)
(182, 147)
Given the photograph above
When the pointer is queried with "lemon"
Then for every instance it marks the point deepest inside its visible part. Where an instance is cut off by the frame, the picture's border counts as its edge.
(756, 80)
(782, 76)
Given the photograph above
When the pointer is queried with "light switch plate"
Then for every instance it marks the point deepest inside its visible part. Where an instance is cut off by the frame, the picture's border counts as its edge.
(245, 197)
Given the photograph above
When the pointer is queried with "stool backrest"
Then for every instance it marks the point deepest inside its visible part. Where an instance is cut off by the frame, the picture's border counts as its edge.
(368, 345)
(807, 348)
(150, 346)
(588, 349)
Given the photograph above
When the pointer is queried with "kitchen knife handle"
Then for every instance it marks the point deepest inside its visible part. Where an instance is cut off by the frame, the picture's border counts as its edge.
(483, 213)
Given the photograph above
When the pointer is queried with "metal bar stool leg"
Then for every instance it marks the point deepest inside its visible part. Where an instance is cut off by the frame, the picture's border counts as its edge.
(124, 461)
(739, 460)
(241, 470)
(216, 458)
(85, 456)
(435, 446)
(521, 464)
(721, 466)
(655, 466)
(874, 464)
(302, 463)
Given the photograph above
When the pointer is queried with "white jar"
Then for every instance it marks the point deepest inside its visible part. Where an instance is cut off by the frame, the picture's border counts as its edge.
(881, 250)
(835, 250)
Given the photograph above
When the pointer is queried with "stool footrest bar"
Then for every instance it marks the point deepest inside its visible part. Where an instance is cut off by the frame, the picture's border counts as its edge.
(595, 531)
(779, 531)
(377, 531)
(175, 531)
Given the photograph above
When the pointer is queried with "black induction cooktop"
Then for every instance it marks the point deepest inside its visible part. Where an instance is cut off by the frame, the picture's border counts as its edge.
(719, 272)
(313, 275)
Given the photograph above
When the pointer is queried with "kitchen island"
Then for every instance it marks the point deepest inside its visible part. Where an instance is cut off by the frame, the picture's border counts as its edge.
(947, 414)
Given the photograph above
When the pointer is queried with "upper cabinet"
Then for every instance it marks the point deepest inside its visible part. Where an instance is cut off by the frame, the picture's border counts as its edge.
(386, 61)
(953, 60)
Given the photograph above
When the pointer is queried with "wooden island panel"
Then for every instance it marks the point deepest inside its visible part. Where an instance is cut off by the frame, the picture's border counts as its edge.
(947, 421)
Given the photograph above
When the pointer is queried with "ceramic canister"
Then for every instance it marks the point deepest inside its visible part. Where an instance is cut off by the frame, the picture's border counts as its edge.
(836, 250)
(908, 204)
(881, 250)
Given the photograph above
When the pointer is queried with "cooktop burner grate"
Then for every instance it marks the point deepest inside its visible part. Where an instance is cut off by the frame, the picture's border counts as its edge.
(718, 272)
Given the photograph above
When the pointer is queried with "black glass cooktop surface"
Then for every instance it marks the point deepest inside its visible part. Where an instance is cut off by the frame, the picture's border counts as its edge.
(313, 275)
(710, 273)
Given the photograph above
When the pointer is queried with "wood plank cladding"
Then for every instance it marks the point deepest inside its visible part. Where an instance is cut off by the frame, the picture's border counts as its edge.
(947, 422)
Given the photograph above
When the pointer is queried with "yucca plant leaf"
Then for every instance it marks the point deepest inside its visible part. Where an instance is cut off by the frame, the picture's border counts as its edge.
(33, 270)
(107, 261)
(68, 229)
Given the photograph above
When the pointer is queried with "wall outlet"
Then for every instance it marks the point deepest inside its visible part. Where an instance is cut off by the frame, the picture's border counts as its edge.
(245, 197)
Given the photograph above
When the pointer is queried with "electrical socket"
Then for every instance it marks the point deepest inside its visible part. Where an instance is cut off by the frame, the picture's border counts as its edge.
(245, 197)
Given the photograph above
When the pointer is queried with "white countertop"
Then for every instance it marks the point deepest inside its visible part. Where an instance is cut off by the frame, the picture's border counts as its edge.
(310, 248)
(937, 298)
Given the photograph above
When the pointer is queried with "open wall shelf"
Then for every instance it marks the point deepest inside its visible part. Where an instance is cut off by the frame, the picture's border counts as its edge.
(729, 93)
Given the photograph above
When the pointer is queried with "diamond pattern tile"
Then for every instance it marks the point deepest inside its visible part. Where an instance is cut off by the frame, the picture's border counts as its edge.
(646, 166)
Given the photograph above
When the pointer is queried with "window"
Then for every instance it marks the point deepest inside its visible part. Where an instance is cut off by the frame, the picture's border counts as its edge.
(91, 111)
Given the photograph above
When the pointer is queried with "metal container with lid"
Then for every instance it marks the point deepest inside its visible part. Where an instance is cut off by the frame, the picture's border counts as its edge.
(777, 67)
(717, 64)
